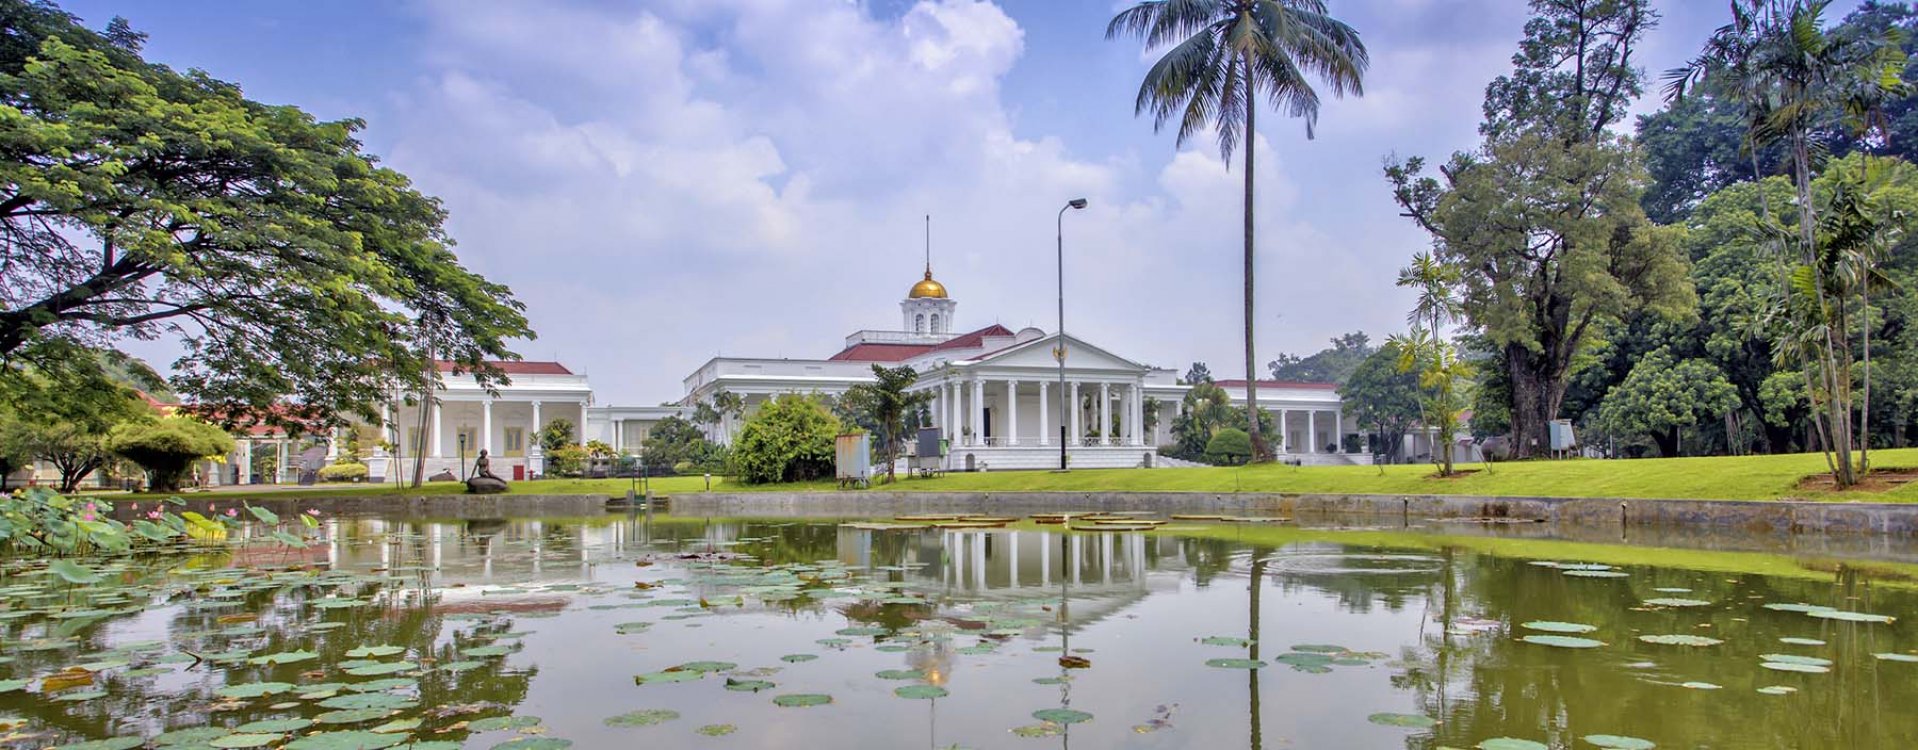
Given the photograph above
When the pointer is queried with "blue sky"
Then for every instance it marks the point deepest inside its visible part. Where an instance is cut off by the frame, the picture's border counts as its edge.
(664, 181)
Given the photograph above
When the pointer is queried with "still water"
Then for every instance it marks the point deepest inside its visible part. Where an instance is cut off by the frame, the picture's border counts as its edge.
(656, 631)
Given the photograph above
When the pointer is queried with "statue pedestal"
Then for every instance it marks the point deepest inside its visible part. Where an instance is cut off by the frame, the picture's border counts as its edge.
(485, 486)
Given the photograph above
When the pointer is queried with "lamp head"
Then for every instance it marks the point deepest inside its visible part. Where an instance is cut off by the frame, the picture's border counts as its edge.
(1077, 203)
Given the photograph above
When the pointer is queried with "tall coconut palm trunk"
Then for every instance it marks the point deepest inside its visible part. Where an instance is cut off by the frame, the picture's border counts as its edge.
(1259, 449)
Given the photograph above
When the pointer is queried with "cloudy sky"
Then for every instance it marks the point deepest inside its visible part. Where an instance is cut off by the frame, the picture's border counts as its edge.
(663, 181)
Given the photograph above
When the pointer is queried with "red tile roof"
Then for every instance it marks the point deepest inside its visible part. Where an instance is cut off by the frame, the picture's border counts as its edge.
(522, 367)
(869, 352)
(1240, 385)
(884, 352)
(975, 339)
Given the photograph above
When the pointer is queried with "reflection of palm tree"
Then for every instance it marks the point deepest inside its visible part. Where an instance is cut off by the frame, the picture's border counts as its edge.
(1252, 634)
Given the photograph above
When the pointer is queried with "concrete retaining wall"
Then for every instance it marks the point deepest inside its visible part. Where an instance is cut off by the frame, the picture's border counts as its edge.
(451, 507)
(1771, 516)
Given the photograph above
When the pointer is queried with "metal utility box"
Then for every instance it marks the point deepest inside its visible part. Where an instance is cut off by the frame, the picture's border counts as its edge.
(1561, 435)
(852, 458)
(931, 443)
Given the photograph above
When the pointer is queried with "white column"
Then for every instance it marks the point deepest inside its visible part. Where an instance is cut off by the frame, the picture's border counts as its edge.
(1138, 414)
(582, 422)
(1045, 423)
(1105, 413)
(486, 426)
(1285, 438)
(1338, 431)
(436, 450)
(246, 462)
(978, 411)
(332, 445)
(1012, 412)
(619, 433)
(954, 423)
(1078, 428)
(1312, 431)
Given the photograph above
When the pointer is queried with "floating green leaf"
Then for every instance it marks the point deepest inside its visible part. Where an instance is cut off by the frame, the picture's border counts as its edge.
(1896, 657)
(246, 740)
(900, 674)
(375, 651)
(1812, 661)
(797, 658)
(534, 743)
(1061, 715)
(748, 686)
(1838, 614)
(1510, 743)
(1680, 640)
(253, 689)
(352, 716)
(498, 723)
(1235, 663)
(671, 675)
(801, 700)
(73, 572)
(920, 692)
(1802, 641)
(1700, 685)
(1618, 742)
(356, 740)
(1558, 627)
(284, 657)
(1562, 641)
(643, 718)
(1778, 690)
(1223, 640)
(1674, 602)
(706, 666)
(113, 743)
(717, 730)
(273, 726)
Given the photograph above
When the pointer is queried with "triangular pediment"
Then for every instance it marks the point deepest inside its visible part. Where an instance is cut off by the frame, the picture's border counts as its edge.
(1039, 353)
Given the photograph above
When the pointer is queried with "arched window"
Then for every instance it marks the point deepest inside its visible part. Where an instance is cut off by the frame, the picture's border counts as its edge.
(935, 324)
(919, 323)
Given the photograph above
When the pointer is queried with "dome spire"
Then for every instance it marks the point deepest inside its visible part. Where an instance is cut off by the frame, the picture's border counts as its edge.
(928, 287)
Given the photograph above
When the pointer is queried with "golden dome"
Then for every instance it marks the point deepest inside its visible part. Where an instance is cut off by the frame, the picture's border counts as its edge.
(927, 288)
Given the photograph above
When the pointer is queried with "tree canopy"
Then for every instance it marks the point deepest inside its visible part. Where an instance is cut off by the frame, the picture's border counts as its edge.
(137, 201)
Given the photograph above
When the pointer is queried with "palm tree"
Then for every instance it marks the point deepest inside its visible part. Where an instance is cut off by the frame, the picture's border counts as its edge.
(1793, 75)
(1221, 56)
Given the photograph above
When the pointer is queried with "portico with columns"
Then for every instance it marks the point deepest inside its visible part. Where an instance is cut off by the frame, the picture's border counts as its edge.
(461, 418)
(1001, 409)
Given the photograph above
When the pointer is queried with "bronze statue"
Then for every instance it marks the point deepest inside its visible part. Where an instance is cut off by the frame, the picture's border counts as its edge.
(483, 481)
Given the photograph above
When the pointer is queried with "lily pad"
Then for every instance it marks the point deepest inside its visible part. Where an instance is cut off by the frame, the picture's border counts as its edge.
(1225, 640)
(1839, 614)
(112, 743)
(346, 741)
(1619, 742)
(353, 716)
(1812, 661)
(706, 666)
(534, 743)
(245, 740)
(797, 658)
(1786, 666)
(748, 686)
(1510, 743)
(273, 726)
(1562, 641)
(284, 657)
(1409, 721)
(1896, 657)
(1061, 715)
(1235, 663)
(375, 651)
(1597, 574)
(498, 723)
(671, 675)
(920, 692)
(1778, 690)
(391, 667)
(717, 730)
(253, 689)
(1679, 640)
(1549, 626)
(801, 700)
(643, 718)
(1671, 602)
(1802, 641)
(1700, 685)
(900, 674)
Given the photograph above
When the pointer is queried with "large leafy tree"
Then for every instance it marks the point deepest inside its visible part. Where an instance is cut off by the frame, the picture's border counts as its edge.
(1664, 394)
(1330, 365)
(674, 441)
(1542, 223)
(788, 439)
(889, 410)
(1384, 398)
(64, 403)
(1222, 57)
(167, 447)
(140, 202)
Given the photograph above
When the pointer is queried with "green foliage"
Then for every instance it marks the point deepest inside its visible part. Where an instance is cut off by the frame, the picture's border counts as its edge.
(63, 399)
(1384, 398)
(167, 447)
(344, 472)
(566, 461)
(1662, 395)
(1444, 381)
(43, 522)
(887, 410)
(674, 442)
(1542, 224)
(139, 200)
(789, 439)
(557, 434)
(1330, 365)
(1205, 409)
(1229, 446)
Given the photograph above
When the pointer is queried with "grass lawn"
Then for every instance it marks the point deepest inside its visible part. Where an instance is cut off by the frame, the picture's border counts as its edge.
(1717, 478)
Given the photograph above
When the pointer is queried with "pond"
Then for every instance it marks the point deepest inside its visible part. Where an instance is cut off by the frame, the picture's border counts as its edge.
(635, 629)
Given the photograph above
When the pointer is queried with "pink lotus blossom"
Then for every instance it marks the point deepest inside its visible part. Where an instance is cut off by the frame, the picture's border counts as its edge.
(87, 516)
(136, 506)
(232, 512)
(314, 512)
(209, 507)
(153, 514)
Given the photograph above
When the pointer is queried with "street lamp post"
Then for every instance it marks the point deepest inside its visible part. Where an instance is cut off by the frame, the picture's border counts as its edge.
(1060, 352)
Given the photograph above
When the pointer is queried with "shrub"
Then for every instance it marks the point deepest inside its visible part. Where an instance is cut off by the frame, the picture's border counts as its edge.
(166, 448)
(346, 472)
(566, 461)
(790, 439)
(1229, 446)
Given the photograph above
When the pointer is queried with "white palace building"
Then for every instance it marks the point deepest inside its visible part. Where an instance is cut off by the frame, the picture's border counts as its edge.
(995, 393)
